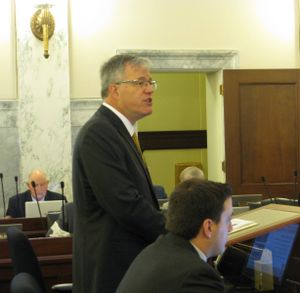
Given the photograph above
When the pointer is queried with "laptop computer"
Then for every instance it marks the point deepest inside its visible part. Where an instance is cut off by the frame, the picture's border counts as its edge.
(280, 243)
(237, 264)
(32, 210)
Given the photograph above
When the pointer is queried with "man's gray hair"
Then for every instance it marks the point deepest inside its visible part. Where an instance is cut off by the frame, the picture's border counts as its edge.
(113, 70)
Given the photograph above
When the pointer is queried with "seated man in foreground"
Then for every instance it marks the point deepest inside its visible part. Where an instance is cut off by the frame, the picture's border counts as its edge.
(16, 204)
(198, 222)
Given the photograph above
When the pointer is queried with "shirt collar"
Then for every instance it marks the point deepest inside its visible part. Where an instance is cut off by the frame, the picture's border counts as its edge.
(200, 253)
(34, 199)
(131, 128)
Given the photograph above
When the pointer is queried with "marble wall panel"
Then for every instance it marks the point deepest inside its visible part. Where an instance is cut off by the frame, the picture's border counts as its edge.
(9, 150)
(44, 99)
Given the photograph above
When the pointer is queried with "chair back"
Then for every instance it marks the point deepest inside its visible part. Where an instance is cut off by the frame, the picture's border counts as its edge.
(24, 283)
(23, 257)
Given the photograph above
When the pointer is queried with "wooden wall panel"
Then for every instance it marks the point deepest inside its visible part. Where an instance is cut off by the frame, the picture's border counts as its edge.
(262, 131)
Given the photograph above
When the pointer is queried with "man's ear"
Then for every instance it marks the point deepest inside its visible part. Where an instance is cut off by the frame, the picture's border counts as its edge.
(207, 228)
(113, 90)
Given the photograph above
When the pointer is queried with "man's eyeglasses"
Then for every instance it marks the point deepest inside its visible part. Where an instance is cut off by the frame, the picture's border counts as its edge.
(140, 83)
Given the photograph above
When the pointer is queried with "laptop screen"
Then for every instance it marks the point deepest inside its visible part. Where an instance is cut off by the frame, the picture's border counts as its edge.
(280, 243)
(32, 210)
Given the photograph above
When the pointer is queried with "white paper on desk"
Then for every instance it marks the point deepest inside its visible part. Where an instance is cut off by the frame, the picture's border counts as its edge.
(240, 224)
(57, 232)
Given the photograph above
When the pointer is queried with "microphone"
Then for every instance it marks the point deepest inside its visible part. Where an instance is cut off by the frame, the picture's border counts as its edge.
(263, 179)
(17, 191)
(3, 196)
(296, 186)
(62, 186)
(246, 247)
(38, 204)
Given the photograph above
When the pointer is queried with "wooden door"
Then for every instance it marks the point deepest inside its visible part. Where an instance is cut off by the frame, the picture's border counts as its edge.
(262, 131)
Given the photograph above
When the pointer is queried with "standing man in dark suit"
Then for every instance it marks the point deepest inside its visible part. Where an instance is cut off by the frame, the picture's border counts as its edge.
(116, 211)
(16, 204)
(198, 221)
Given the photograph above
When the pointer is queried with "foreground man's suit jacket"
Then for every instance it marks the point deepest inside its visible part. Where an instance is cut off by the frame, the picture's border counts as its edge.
(170, 265)
(116, 212)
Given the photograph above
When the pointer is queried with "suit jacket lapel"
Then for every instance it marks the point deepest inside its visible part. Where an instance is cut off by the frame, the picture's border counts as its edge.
(125, 134)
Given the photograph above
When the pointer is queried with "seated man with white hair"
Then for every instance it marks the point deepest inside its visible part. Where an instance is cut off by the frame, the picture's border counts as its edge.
(16, 204)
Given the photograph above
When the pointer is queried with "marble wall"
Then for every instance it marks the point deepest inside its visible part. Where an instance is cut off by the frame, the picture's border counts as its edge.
(9, 149)
(81, 111)
(44, 130)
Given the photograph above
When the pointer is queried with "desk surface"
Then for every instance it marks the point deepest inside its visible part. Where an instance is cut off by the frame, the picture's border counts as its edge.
(268, 218)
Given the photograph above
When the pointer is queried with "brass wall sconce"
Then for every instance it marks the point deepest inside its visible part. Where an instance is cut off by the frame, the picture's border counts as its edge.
(42, 25)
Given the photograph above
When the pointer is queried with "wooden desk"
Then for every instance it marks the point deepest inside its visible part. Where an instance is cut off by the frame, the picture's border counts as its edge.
(32, 227)
(269, 218)
(55, 258)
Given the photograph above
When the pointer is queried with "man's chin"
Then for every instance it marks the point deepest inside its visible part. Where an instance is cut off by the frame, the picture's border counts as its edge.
(148, 112)
(39, 198)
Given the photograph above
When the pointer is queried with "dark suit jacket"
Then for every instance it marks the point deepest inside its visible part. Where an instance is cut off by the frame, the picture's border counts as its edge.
(16, 206)
(170, 265)
(116, 212)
